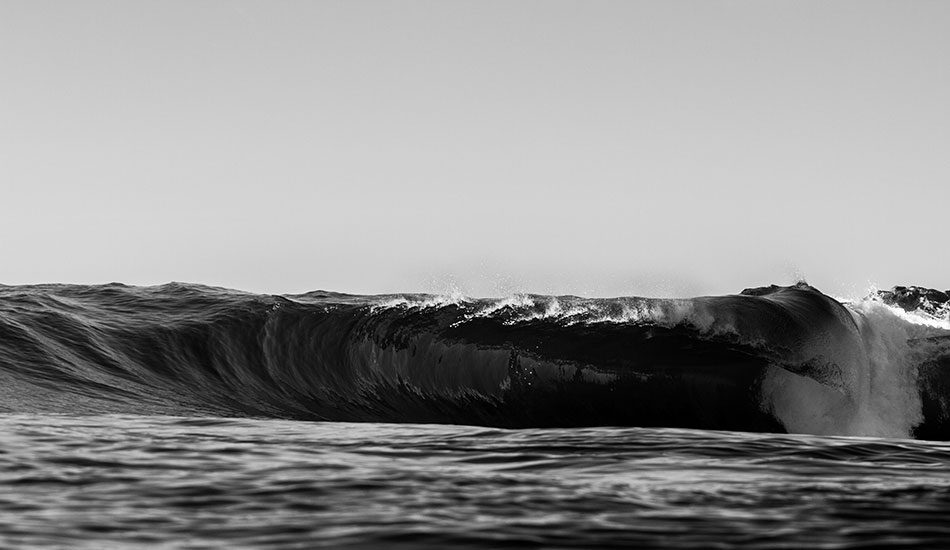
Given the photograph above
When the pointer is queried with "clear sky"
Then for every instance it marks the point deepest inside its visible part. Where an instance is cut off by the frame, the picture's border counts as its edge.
(594, 148)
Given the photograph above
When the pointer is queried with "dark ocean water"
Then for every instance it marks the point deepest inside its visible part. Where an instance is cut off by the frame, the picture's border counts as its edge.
(184, 416)
(147, 481)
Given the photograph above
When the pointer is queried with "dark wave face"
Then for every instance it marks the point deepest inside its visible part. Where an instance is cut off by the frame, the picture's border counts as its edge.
(768, 359)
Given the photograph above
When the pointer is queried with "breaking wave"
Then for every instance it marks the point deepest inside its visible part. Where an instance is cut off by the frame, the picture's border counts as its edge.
(767, 359)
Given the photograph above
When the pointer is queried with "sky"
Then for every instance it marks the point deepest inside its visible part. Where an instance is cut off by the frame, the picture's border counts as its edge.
(596, 148)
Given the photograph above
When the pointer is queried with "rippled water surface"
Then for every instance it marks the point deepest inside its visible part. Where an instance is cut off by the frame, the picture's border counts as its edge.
(145, 481)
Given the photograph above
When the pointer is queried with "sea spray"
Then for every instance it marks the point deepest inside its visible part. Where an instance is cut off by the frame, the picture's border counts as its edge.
(882, 398)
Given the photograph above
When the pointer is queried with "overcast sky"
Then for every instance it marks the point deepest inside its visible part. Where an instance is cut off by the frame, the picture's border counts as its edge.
(593, 148)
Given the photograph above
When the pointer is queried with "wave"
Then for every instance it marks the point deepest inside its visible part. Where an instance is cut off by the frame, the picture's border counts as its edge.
(767, 359)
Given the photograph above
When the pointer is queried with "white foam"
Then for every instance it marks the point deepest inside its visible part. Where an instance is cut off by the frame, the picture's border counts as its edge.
(570, 311)
(420, 302)
(516, 301)
(883, 397)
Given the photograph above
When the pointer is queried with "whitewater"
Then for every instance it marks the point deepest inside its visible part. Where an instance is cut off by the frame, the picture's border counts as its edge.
(190, 416)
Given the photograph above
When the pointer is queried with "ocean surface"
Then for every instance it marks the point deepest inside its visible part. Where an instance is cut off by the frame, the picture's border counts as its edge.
(184, 416)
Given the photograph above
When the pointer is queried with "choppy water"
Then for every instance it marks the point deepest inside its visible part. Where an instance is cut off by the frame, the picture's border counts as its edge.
(121, 481)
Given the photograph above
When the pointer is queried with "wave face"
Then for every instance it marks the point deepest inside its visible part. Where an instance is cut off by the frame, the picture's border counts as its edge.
(768, 359)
